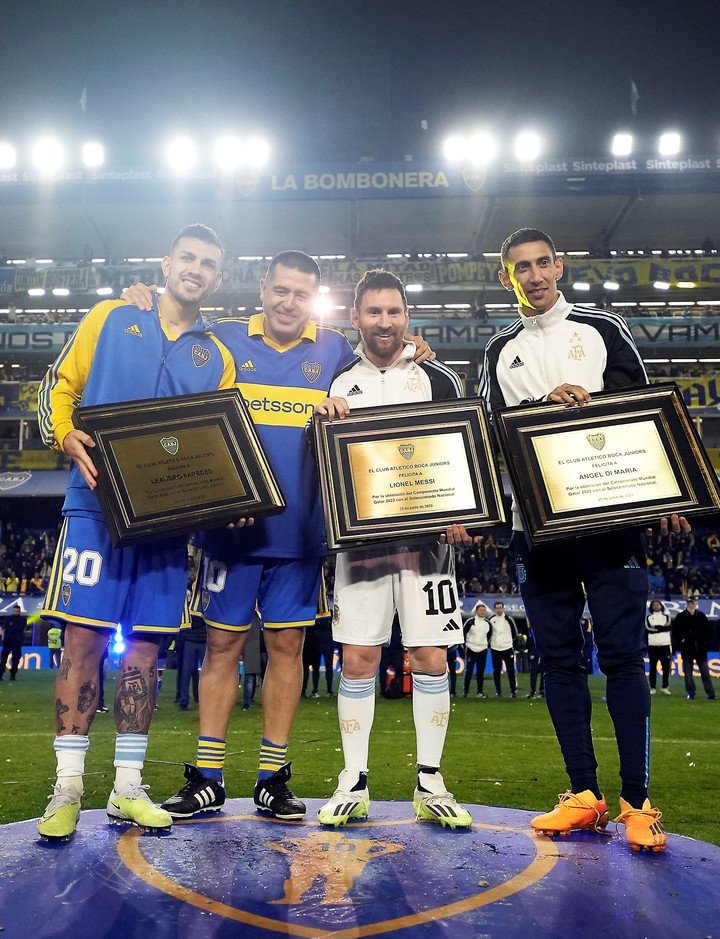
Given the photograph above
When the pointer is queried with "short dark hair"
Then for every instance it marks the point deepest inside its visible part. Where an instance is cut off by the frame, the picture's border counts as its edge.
(296, 261)
(202, 233)
(524, 236)
(16, 606)
(378, 279)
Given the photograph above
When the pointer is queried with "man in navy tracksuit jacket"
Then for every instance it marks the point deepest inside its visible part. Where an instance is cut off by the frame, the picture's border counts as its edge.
(559, 352)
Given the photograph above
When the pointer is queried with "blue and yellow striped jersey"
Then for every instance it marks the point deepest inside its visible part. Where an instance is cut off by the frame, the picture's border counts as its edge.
(282, 385)
(120, 353)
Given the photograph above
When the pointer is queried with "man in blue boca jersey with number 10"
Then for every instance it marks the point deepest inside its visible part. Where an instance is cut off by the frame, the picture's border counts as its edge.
(285, 364)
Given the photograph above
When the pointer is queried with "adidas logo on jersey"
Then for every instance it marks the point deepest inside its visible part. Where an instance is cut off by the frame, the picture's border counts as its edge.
(134, 330)
(248, 366)
(451, 625)
(355, 390)
(516, 362)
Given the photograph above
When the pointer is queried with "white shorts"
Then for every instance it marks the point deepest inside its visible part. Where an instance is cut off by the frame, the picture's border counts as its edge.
(416, 582)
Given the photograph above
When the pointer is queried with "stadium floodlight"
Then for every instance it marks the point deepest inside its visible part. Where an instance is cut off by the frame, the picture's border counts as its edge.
(61, 292)
(455, 148)
(661, 285)
(48, 156)
(527, 146)
(228, 153)
(181, 154)
(323, 305)
(36, 292)
(257, 152)
(413, 288)
(7, 155)
(481, 147)
(104, 291)
(93, 154)
(611, 285)
(622, 145)
(581, 285)
(669, 143)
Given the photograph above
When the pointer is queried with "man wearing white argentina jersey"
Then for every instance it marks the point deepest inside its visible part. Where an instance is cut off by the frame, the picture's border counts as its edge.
(563, 353)
(371, 585)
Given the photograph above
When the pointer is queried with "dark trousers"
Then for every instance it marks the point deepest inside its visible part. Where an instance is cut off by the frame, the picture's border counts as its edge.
(316, 652)
(14, 649)
(613, 570)
(535, 673)
(659, 655)
(475, 661)
(507, 658)
(193, 655)
(688, 661)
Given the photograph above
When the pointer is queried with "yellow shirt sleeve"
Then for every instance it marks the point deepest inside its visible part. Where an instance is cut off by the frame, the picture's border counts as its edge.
(62, 387)
(228, 375)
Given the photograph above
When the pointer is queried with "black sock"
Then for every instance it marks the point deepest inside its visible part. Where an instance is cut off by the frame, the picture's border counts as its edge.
(582, 784)
(361, 783)
(634, 796)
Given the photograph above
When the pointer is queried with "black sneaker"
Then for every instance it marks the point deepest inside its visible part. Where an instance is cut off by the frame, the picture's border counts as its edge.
(199, 794)
(272, 795)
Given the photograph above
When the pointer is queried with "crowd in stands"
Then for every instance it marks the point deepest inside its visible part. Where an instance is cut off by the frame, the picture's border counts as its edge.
(678, 565)
(25, 559)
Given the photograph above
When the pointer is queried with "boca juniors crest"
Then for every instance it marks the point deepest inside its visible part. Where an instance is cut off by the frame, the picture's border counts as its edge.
(311, 371)
(200, 355)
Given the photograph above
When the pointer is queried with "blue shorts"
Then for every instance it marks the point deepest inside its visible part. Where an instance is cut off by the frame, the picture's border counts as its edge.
(230, 587)
(141, 587)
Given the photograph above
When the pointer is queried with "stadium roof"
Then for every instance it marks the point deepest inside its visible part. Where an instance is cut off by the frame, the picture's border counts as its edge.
(261, 214)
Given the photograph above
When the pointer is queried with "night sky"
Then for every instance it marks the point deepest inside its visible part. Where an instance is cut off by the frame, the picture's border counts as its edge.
(337, 81)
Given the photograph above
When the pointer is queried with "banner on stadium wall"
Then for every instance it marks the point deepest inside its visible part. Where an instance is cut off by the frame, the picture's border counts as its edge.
(370, 180)
(15, 460)
(435, 273)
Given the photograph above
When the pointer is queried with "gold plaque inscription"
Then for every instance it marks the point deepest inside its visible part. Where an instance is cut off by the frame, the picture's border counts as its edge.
(421, 475)
(611, 465)
(176, 469)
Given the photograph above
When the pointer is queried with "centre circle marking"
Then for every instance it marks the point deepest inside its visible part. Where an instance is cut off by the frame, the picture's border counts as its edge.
(546, 857)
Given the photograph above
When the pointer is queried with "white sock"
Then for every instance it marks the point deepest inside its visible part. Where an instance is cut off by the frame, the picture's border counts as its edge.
(130, 752)
(70, 750)
(431, 712)
(356, 711)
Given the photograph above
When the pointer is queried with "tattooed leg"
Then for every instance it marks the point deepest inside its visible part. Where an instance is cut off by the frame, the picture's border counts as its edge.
(136, 687)
(76, 681)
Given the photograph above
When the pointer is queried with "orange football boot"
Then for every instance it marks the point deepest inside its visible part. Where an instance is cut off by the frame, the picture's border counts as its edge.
(575, 811)
(643, 830)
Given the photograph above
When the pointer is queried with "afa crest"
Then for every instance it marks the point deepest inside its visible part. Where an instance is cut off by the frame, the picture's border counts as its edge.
(170, 444)
(200, 355)
(576, 347)
(311, 371)
(407, 451)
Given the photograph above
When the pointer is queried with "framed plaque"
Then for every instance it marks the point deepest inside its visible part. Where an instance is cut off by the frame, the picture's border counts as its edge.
(626, 458)
(405, 472)
(171, 466)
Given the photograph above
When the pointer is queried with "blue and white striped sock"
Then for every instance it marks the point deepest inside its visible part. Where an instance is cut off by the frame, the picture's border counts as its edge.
(130, 752)
(356, 712)
(70, 750)
(431, 712)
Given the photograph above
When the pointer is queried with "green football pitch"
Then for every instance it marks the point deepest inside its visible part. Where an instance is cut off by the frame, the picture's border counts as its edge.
(498, 752)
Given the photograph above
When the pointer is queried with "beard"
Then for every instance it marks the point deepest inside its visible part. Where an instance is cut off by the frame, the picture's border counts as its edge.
(386, 351)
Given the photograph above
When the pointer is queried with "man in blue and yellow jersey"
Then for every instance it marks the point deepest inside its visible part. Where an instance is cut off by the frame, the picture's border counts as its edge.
(285, 364)
(121, 353)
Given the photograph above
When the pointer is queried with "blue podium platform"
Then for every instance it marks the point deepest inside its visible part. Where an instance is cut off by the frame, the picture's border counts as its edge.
(238, 873)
